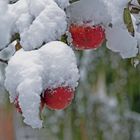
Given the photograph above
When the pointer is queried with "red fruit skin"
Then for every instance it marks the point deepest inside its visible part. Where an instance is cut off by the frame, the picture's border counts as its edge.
(58, 98)
(87, 37)
(16, 103)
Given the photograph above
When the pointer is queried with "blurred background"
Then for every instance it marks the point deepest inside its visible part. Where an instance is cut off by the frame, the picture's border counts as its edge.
(106, 104)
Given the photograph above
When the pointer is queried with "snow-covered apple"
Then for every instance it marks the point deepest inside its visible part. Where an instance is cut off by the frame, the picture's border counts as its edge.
(48, 67)
(86, 36)
(58, 98)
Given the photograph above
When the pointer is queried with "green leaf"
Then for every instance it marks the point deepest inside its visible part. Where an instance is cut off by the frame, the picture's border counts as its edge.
(128, 20)
(64, 38)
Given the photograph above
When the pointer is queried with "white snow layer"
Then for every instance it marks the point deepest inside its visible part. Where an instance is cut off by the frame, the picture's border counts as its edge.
(97, 11)
(62, 3)
(119, 40)
(8, 52)
(29, 73)
(50, 25)
(37, 21)
(5, 25)
(94, 11)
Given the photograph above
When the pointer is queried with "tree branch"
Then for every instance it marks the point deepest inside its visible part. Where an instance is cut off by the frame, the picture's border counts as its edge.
(4, 61)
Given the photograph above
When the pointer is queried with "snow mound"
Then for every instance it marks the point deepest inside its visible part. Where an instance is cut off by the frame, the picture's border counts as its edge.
(28, 74)
(119, 40)
(115, 9)
(37, 22)
(5, 26)
(94, 11)
(62, 3)
(50, 25)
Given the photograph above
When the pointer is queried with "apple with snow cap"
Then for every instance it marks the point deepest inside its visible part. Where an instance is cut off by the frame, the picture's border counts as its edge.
(86, 36)
(58, 98)
(54, 67)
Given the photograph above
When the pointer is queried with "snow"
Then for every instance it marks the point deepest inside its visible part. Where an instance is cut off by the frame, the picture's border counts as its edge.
(62, 68)
(48, 26)
(88, 11)
(136, 62)
(29, 73)
(126, 45)
(8, 52)
(62, 3)
(2, 89)
(4, 21)
(115, 10)
(37, 22)
(135, 2)
(98, 11)
(23, 22)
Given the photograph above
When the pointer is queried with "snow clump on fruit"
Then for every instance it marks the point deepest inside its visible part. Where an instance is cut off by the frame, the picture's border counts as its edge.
(28, 74)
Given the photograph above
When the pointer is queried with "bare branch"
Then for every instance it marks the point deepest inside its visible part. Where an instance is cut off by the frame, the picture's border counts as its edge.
(4, 61)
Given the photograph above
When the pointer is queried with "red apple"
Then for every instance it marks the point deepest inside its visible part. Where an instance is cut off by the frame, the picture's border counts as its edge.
(58, 98)
(87, 37)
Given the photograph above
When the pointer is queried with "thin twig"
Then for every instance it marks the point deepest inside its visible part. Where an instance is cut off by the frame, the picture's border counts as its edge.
(3, 61)
(5, 47)
(15, 37)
